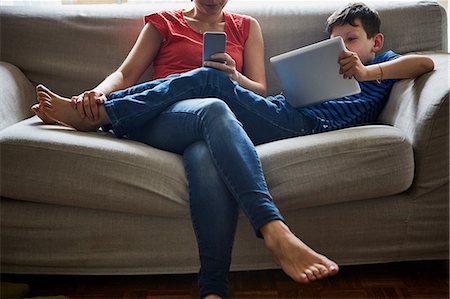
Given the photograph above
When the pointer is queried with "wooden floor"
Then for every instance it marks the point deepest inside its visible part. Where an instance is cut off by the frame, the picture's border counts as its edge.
(424, 280)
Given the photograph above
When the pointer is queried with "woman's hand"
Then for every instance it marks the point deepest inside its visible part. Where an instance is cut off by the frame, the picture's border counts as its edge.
(228, 67)
(351, 66)
(87, 104)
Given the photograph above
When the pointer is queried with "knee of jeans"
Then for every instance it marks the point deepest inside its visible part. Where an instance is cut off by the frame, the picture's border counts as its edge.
(217, 112)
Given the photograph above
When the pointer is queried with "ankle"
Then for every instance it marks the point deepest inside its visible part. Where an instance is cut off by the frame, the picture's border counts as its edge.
(103, 116)
(274, 230)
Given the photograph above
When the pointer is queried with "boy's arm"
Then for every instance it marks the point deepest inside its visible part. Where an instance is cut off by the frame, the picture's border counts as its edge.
(408, 66)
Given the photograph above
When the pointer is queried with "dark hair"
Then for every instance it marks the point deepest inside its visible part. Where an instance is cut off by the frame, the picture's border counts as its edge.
(347, 15)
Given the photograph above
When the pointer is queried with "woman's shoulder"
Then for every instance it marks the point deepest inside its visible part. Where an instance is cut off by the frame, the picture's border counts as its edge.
(238, 17)
(168, 15)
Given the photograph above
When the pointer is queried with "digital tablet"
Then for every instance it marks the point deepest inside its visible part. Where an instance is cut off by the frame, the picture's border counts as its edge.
(310, 75)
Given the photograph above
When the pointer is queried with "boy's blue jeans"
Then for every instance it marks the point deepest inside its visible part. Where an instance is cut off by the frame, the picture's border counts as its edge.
(215, 136)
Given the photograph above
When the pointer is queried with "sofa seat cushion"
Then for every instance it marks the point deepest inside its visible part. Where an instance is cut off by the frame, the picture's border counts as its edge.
(57, 165)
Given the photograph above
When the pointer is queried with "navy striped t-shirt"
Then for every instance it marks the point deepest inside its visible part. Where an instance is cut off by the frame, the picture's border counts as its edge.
(362, 108)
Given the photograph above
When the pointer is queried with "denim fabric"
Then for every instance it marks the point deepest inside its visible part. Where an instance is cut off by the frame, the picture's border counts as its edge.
(216, 137)
(264, 119)
(214, 214)
(222, 176)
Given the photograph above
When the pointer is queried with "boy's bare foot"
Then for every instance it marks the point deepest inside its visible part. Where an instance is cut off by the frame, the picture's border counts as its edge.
(296, 259)
(60, 109)
(36, 108)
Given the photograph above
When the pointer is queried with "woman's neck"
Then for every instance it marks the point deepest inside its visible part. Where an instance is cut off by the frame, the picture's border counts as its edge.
(205, 22)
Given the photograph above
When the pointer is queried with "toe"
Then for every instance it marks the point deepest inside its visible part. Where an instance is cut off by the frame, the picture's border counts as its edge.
(315, 270)
(303, 278)
(323, 270)
(310, 275)
(333, 268)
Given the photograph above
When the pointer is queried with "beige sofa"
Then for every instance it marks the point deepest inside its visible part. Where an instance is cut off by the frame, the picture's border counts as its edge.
(89, 203)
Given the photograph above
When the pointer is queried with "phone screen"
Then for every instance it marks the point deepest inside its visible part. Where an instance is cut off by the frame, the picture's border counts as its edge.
(213, 42)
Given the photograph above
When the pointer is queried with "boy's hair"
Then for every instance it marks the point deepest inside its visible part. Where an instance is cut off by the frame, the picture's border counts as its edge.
(347, 15)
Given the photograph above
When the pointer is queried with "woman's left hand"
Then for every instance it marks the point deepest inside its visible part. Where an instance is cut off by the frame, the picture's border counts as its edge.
(228, 66)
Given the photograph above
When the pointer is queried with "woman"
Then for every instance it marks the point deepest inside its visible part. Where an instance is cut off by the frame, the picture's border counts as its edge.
(223, 176)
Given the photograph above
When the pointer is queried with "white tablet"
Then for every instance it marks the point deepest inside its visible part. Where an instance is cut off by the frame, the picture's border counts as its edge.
(310, 75)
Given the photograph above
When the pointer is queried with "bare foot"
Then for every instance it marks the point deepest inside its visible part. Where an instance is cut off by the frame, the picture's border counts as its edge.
(296, 259)
(36, 108)
(60, 109)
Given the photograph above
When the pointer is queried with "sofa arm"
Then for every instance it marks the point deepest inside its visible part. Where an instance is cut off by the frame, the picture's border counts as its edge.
(420, 109)
(16, 97)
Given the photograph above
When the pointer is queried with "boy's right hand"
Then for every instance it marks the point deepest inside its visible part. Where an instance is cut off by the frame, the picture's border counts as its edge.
(87, 104)
(351, 66)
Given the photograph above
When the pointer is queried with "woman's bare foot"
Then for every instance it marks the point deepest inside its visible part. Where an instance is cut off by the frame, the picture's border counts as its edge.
(60, 109)
(36, 108)
(296, 259)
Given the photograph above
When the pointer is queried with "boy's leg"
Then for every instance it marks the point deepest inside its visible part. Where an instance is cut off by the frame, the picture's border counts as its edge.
(136, 109)
(138, 88)
(59, 109)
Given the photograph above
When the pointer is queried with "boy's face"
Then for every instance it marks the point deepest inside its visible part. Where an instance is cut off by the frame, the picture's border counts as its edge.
(356, 40)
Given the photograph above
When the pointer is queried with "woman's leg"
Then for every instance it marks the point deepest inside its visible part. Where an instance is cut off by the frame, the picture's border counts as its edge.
(238, 165)
(214, 214)
(214, 211)
(233, 153)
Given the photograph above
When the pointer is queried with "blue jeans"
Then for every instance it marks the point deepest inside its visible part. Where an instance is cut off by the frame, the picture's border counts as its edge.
(222, 166)
(264, 119)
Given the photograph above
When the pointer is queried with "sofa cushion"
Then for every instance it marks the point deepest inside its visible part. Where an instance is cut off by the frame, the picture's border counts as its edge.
(16, 97)
(90, 41)
(41, 163)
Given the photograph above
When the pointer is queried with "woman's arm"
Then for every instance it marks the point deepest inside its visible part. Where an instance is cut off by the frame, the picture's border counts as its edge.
(254, 72)
(138, 60)
(253, 76)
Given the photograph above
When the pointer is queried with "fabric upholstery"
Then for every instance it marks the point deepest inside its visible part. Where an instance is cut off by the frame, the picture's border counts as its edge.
(127, 176)
(16, 97)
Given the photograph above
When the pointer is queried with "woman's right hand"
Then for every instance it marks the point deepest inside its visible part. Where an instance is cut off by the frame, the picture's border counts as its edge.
(87, 104)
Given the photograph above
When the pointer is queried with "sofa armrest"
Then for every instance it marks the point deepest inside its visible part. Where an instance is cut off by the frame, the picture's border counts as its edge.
(16, 97)
(420, 109)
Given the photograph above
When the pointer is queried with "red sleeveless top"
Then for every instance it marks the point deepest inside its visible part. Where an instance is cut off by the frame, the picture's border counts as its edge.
(182, 47)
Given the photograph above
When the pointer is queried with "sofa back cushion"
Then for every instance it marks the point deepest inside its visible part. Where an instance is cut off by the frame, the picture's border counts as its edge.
(72, 48)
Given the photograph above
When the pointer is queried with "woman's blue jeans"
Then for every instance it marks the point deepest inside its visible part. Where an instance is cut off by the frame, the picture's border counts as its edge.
(223, 168)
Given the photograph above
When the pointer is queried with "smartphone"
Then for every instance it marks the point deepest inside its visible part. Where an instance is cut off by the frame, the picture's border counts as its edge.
(213, 42)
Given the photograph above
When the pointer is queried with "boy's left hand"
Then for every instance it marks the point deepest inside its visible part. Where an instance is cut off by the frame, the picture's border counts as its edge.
(351, 66)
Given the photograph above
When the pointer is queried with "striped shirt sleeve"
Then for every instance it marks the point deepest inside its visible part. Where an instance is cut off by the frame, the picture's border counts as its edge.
(359, 109)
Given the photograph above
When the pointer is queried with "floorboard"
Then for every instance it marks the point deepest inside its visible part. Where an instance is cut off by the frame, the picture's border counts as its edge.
(408, 280)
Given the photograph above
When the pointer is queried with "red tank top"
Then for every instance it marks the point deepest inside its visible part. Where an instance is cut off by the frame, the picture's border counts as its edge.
(181, 50)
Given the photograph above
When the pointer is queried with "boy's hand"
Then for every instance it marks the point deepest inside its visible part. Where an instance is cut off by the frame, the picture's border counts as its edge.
(351, 66)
